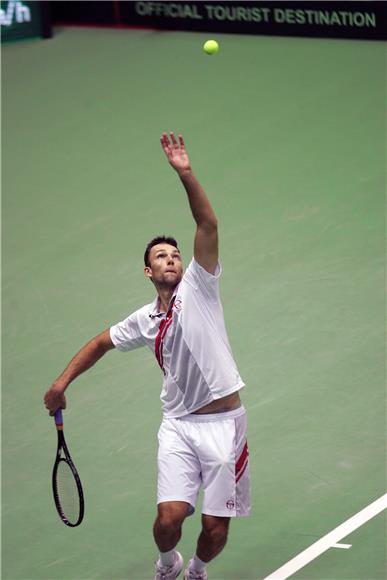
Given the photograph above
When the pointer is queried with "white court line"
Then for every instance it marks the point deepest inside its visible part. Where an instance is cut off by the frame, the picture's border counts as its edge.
(329, 540)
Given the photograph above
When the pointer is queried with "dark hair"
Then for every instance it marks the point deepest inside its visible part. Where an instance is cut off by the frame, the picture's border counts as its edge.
(154, 242)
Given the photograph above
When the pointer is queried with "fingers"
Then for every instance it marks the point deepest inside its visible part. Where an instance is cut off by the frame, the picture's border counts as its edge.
(54, 401)
(52, 412)
(173, 139)
(166, 145)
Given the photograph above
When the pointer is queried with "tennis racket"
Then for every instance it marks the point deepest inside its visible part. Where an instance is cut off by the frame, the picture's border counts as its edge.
(66, 484)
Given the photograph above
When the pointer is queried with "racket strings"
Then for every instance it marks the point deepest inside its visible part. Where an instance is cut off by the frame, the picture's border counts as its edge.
(67, 492)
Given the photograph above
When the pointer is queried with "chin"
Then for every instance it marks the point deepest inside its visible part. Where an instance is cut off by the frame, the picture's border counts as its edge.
(174, 282)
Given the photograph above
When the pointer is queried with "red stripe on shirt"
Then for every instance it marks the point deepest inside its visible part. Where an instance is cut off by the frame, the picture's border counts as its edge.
(158, 342)
(167, 325)
(164, 325)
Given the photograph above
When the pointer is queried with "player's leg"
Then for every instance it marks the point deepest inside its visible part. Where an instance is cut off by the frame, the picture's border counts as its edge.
(167, 527)
(223, 455)
(177, 489)
(213, 537)
(211, 542)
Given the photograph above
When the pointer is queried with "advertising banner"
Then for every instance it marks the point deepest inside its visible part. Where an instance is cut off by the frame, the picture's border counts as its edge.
(362, 20)
(23, 19)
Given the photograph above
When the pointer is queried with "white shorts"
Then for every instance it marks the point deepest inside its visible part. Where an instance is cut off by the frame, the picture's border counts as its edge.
(209, 450)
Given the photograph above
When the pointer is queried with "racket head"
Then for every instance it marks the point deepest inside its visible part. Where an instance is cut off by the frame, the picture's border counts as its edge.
(68, 492)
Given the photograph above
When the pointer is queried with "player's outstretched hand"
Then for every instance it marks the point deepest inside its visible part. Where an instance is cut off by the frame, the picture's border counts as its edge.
(54, 399)
(175, 152)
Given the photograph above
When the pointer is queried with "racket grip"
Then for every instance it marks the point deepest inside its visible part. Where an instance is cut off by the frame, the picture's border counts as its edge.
(58, 417)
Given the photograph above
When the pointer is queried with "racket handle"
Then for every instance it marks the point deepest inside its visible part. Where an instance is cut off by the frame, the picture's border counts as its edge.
(58, 418)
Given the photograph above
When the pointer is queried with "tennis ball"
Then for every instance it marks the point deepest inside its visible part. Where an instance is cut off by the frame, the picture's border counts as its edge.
(211, 47)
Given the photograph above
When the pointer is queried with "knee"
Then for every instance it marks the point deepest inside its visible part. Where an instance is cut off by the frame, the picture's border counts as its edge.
(170, 518)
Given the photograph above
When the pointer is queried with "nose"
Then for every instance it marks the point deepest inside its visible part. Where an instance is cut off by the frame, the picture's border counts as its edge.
(170, 260)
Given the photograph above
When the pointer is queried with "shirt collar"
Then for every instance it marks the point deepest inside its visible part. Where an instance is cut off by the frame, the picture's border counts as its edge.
(154, 311)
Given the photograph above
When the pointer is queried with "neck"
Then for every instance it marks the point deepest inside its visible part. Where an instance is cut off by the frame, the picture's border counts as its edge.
(165, 295)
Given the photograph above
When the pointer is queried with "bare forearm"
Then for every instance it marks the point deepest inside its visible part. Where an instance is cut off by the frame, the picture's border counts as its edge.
(82, 361)
(206, 245)
(201, 208)
(88, 355)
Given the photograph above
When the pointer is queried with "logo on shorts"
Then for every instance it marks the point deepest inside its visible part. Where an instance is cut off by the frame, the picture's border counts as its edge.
(230, 504)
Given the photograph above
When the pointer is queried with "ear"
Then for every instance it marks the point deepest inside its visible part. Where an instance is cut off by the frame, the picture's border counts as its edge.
(148, 272)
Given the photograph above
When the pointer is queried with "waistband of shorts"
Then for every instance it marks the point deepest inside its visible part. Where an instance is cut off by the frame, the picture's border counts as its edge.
(206, 417)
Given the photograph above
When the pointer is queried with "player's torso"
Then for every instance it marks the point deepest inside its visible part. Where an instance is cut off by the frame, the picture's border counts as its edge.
(192, 341)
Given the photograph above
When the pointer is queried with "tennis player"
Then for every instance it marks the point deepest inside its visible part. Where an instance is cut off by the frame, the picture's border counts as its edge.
(202, 438)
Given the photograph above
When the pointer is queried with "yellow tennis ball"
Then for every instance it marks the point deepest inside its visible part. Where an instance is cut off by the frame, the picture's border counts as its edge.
(211, 47)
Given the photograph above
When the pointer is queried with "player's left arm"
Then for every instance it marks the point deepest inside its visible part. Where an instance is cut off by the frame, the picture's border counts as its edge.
(206, 247)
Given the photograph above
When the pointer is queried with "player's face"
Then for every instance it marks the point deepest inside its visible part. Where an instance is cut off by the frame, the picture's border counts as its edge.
(166, 267)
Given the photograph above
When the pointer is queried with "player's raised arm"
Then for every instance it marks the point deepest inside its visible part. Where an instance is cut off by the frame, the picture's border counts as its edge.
(206, 238)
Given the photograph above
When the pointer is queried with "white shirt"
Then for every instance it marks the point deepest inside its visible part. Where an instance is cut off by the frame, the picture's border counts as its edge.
(190, 343)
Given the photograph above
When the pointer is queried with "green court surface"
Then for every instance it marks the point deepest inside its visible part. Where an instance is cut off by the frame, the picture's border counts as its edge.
(287, 136)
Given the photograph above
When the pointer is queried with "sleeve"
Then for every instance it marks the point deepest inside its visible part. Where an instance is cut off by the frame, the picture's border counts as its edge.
(202, 281)
(126, 335)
